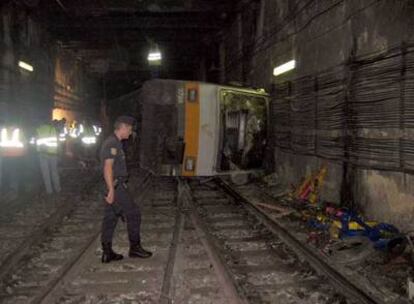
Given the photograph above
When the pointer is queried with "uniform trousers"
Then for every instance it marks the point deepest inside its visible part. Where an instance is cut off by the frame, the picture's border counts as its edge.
(48, 166)
(129, 210)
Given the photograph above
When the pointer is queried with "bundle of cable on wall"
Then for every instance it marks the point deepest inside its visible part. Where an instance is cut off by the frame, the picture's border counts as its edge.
(408, 102)
(408, 154)
(283, 140)
(281, 114)
(375, 93)
(362, 113)
(302, 104)
(310, 104)
(280, 106)
(330, 147)
(330, 103)
(375, 152)
(303, 143)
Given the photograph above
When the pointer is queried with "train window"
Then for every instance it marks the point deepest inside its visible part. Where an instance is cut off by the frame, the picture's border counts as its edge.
(192, 95)
(243, 130)
(190, 164)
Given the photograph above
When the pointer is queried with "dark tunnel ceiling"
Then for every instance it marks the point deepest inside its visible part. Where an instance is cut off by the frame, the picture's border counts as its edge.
(112, 36)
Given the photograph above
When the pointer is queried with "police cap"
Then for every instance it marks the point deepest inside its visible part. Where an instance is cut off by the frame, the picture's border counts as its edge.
(129, 120)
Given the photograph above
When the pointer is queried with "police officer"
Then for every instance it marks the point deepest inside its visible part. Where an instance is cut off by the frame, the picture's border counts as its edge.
(118, 200)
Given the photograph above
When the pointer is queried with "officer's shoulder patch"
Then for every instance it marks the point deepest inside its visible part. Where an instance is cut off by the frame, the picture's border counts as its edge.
(114, 151)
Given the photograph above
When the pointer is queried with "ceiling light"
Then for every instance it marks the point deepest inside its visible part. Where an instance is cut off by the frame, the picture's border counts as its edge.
(290, 65)
(26, 66)
(154, 56)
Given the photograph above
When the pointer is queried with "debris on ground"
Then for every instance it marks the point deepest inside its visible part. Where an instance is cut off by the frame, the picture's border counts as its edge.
(377, 252)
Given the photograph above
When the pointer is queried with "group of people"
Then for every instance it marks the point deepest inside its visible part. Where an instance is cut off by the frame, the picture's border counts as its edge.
(26, 151)
(22, 150)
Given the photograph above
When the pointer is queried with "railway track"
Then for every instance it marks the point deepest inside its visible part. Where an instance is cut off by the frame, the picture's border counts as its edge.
(86, 280)
(257, 264)
(209, 247)
(226, 252)
(24, 223)
(44, 255)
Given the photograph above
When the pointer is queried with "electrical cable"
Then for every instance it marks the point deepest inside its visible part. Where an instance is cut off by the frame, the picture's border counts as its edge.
(359, 113)
(265, 42)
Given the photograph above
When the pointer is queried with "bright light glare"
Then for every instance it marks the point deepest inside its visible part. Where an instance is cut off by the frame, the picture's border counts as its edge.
(25, 66)
(89, 140)
(154, 56)
(290, 65)
(13, 142)
(47, 141)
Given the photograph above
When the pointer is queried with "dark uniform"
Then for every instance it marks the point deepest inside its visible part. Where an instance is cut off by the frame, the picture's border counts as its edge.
(123, 203)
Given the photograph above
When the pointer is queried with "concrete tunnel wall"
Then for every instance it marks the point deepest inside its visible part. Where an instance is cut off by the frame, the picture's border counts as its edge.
(321, 35)
(58, 83)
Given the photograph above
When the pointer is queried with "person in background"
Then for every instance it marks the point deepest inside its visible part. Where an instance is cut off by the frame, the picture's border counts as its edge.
(88, 140)
(47, 144)
(13, 149)
(31, 171)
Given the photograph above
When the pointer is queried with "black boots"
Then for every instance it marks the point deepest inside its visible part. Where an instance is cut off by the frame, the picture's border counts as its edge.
(136, 251)
(108, 254)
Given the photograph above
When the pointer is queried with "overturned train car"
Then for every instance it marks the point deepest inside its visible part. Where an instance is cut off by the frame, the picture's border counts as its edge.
(200, 129)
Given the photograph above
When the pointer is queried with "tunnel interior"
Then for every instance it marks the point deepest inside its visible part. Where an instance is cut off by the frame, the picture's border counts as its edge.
(302, 110)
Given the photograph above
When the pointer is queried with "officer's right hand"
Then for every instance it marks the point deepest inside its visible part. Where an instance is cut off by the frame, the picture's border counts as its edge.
(110, 197)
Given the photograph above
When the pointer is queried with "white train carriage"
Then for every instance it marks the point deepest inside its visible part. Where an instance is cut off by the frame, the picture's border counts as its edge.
(201, 129)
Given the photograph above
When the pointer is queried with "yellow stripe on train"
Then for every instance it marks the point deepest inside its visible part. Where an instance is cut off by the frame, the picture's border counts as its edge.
(192, 128)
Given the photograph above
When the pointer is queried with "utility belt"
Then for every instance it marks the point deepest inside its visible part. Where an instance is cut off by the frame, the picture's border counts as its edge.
(121, 181)
(115, 206)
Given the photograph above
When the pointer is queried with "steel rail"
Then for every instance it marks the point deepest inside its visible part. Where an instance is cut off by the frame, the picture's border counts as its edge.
(51, 290)
(15, 256)
(233, 293)
(165, 297)
(337, 279)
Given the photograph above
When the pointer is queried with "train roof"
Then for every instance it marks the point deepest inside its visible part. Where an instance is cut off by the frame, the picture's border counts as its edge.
(168, 84)
(226, 86)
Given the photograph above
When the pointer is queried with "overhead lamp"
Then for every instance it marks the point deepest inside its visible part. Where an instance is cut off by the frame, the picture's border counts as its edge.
(154, 55)
(283, 68)
(26, 66)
